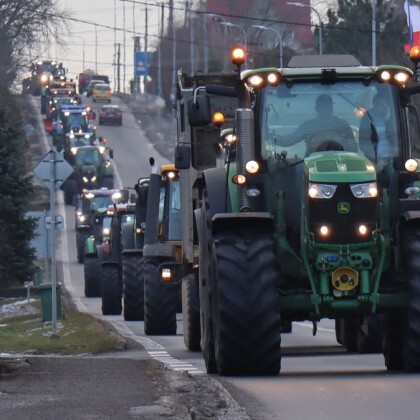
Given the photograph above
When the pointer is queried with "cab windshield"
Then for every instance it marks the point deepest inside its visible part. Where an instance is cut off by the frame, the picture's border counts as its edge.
(303, 118)
(75, 122)
(88, 157)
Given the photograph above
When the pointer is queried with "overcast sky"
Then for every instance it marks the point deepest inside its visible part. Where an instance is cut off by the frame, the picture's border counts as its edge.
(98, 41)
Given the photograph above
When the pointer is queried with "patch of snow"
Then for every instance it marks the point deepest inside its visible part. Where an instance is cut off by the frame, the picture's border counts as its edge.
(21, 307)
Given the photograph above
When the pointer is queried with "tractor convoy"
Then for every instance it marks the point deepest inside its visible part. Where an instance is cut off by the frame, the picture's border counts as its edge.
(294, 196)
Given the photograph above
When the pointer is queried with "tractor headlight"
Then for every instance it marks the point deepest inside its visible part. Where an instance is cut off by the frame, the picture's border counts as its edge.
(411, 165)
(252, 167)
(82, 218)
(321, 190)
(106, 231)
(116, 196)
(369, 190)
(93, 179)
(85, 179)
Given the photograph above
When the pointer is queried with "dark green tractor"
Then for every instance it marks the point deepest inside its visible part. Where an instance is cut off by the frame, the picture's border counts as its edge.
(306, 222)
(111, 258)
(90, 203)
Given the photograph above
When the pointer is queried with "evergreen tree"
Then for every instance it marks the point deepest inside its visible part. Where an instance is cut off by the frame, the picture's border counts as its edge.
(16, 231)
(349, 31)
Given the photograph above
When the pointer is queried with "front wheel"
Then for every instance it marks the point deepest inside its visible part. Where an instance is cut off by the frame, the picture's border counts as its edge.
(245, 303)
(133, 287)
(160, 301)
(92, 271)
(191, 312)
(111, 290)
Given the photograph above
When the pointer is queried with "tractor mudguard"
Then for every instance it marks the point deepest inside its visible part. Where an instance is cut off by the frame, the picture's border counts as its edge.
(110, 263)
(197, 221)
(133, 252)
(217, 197)
(158, 250)
(100, 252)
(227, 221)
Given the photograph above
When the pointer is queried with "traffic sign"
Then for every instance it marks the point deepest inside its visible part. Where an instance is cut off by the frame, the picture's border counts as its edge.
(59, 222)
(52, 170)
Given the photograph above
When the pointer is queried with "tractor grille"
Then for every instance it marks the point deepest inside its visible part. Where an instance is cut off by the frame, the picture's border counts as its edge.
(342, 215)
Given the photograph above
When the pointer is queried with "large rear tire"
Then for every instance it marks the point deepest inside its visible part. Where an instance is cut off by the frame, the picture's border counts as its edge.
(111, 290)
(191, 312)
(92, 271)
(412, 341)
(133, 287)
(246, 313)
(160, 301)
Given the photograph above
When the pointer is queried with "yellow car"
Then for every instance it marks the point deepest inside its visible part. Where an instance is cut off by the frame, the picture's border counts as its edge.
(101, 92)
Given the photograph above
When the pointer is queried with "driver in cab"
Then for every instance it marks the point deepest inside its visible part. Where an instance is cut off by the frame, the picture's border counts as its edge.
(324, 132)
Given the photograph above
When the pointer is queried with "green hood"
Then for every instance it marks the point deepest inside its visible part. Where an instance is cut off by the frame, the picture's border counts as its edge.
(338, 167)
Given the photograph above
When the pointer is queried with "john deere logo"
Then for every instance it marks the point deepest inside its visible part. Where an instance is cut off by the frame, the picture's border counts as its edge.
(343, 208)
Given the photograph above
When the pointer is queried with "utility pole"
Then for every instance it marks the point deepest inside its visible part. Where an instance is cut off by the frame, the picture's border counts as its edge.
(162, 23)
(124, 69)
(137, 48)
(115, 41)
(96, 49)
(171, 29)
(146, 36)
(118, 67)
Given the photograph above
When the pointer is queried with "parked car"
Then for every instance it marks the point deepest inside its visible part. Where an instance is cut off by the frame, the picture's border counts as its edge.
(110, 114)
(101, 92)
(91, 85)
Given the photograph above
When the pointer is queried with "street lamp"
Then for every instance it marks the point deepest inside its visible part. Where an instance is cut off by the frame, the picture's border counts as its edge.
(232, 25)
(79, 37)
(223, 19)
(278, 34)
(319, 17)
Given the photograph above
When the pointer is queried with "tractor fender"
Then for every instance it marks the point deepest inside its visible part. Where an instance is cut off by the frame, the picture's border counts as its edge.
(233, 221)
(197, 221)
(411, 216)
(159, 249)
(110, 263)
(217, 195)
(133, 252)
(100, 253)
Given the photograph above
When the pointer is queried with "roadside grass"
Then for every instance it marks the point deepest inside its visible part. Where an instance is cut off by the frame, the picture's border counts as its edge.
(77, 333)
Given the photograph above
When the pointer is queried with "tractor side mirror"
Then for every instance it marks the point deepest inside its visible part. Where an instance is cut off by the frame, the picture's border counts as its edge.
(199, 110)
(111, 153)
(182, 156)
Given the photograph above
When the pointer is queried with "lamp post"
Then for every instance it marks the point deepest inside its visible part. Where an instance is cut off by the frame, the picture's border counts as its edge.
(232, 25)
(373, 32)
(223, 19)
(84, 45)
(278, 34)
(319, 17)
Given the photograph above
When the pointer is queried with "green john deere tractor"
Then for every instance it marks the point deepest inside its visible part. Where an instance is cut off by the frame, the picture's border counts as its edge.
(305, 222)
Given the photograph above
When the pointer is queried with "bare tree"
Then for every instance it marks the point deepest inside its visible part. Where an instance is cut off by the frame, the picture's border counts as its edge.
(26, 25)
